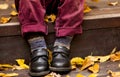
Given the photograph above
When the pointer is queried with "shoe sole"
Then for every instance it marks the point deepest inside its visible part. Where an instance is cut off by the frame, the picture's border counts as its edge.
(39, 74)
(56, 69)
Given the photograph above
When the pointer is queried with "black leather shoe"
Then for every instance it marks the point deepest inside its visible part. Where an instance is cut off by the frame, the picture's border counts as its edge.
(39, 65)
(60, 59)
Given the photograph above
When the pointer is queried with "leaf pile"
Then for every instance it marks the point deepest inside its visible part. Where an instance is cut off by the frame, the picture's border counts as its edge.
(6, 19)
(91, 63)
(21, 65)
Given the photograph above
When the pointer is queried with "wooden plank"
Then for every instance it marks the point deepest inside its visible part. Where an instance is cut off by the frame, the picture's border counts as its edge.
(12, 48)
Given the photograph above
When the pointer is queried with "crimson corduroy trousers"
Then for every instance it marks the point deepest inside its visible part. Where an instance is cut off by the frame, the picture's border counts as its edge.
(69, 16)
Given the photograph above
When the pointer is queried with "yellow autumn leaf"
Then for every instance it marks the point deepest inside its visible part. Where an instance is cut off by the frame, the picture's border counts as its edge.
(77, 61)
(4, 6)
(53, 74)
(113, 51)
(2, 74)
(13, 6)
(113, 3)
(86, 63)
(115, 56)
(4, 20)
(67, 75)
(93, 75)
(11, 74)
(95, 0)
(99, 58)
(50, 18)
(22, 64)
(79, 75)
(50, 56)
(73, 67)
(16, 67)
(8, 74)
(6, 65)
(86, 8)
(113, 74)
(95, 68)
(13, 13)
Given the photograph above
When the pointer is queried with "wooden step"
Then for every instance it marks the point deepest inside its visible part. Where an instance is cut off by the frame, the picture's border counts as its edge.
(101, 33)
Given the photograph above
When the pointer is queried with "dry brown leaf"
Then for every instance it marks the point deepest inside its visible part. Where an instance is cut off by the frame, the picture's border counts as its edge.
(114, 74)
(113, 3)
(13, 13)
(95, 68)
(4, 20)
(86, 63)
(4, 6)
(115, 56)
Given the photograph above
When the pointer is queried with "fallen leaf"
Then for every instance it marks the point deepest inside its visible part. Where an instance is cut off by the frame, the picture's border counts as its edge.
(67, 75)
(52, 74)
(8, 74)
(22, 64)
(73, 67)
(79, 75)
(113, 51)
(86, 63)
(11, 74)
(2, 74)
(50, 18)
(115, 56)
(6, 65)
(4, 20)
(95, 0)
(50, 56)
(93, 75)
(13, 13)
(77, 61)
(4, 6)
(114, 74)
(95, 68)
(113, 3)
(13, 6)
(87, 9)
(16, 67)
(99, 58)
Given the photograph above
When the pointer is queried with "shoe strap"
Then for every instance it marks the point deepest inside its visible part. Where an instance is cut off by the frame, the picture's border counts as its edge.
(40, 52)
(61, 49)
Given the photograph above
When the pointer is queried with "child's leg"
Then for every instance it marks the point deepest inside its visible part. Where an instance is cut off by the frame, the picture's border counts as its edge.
(68, 23)
(31, 16)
